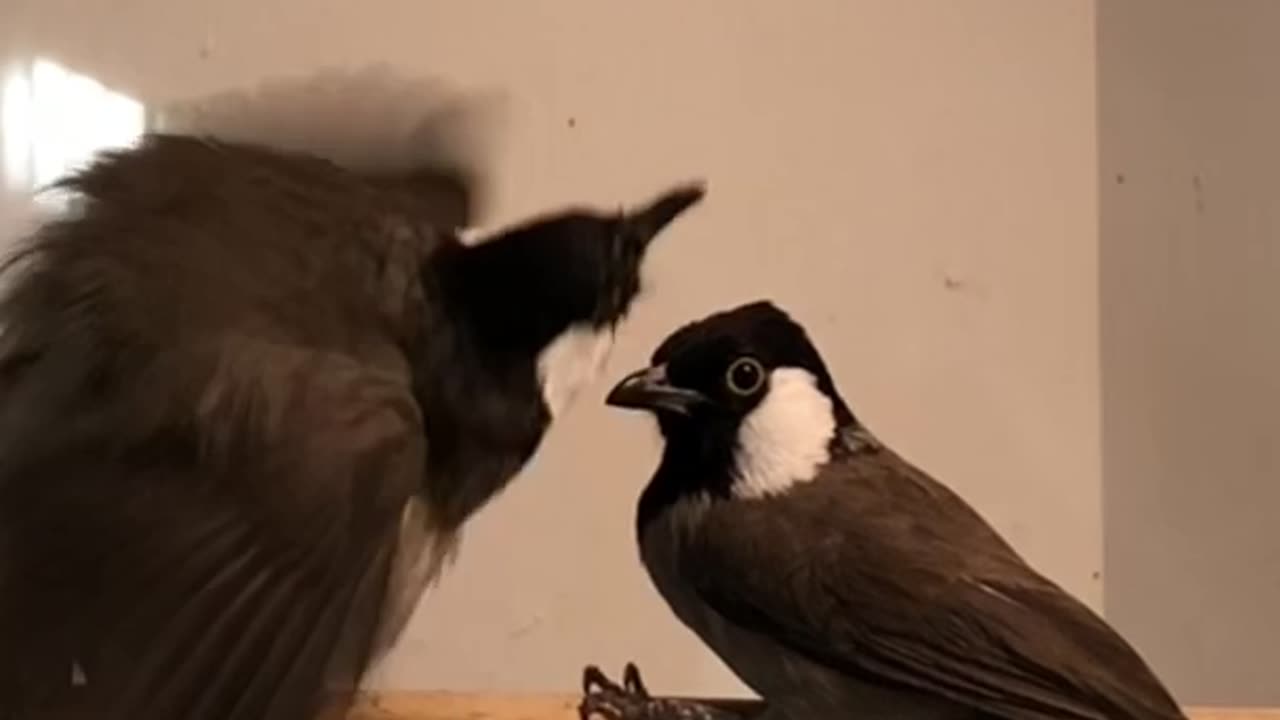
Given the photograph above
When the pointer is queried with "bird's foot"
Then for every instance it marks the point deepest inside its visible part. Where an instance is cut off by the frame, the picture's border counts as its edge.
(631, 700)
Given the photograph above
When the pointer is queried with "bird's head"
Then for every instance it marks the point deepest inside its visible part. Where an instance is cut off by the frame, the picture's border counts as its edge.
(742, 396)
(552, 290)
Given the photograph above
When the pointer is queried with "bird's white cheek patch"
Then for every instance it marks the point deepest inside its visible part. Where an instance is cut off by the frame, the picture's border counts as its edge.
(571, 362)
(786, 438)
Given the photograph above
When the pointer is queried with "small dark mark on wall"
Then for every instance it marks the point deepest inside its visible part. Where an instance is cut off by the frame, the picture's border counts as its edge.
(1198, 186)
(1097, 575)
(953, 282)
(1119, 178)
(525, 628)
(573, 122)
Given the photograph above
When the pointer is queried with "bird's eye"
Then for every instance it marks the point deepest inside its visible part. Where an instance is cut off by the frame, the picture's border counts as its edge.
(745, 376)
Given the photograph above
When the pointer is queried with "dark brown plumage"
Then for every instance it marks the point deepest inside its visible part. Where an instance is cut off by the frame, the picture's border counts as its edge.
(890, 576)
(833, 576)
(245, 405)
(185, 419)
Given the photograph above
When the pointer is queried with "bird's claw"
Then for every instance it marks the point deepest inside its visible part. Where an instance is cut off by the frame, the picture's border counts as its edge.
(632, 683)
(631, 700)
(607, 699)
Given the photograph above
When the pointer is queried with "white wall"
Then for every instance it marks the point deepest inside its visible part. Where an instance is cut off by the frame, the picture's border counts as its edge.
(916, 179)
(1190, 168)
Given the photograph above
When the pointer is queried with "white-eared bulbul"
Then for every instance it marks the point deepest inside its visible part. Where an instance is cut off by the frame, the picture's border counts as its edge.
(834, 577)
(248, 397)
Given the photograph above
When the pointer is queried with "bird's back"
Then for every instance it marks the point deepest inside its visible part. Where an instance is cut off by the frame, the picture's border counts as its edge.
(185, 273)
(826, 597)
(184, 250)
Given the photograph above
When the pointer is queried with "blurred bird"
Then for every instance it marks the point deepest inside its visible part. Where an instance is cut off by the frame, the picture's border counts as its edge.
(248, 398)
(835, 578)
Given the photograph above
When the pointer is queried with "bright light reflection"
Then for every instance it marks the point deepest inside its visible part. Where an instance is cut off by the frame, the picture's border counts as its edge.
(54, 120)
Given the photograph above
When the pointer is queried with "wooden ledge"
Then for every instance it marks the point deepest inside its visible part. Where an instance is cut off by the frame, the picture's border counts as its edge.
(500, 706)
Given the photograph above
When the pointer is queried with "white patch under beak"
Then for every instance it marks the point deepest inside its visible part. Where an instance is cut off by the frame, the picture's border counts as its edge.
(571, 362)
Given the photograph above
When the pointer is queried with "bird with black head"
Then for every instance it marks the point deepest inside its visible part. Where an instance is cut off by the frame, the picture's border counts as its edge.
(248, 399)
(834, 577)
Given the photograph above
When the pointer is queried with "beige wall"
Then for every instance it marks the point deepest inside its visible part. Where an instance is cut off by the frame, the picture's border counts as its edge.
(916, 179)
(1190, 179)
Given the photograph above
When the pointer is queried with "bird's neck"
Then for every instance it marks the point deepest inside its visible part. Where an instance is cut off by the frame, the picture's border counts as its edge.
(784, 442)
(571, 361)
(483, 413)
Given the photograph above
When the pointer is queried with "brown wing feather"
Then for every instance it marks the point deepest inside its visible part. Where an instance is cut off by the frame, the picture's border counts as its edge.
(206, 432)
(238, 569)
(893, 578)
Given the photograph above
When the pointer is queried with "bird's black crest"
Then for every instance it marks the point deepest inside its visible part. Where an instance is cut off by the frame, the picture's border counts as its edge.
(530, 282)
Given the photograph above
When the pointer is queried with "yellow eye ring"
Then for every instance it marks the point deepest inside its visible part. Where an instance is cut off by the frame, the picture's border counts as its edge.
(745, 376)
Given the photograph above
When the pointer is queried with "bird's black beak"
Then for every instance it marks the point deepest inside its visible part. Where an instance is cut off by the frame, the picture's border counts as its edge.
(649, 389)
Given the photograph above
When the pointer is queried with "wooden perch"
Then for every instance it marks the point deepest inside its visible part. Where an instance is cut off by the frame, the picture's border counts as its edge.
(499, 706)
